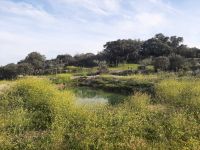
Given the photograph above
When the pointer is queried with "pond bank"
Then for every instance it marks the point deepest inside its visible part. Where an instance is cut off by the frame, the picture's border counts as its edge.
(117, 84)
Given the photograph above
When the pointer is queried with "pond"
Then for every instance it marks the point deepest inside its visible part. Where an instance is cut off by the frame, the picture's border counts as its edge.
(86, 95)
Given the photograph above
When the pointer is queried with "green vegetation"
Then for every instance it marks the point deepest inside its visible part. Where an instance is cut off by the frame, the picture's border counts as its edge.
(29, 110)
(128, 67)
(34, 114)
(61, 78)
(126, 56)
(122, 84)
(160, 109)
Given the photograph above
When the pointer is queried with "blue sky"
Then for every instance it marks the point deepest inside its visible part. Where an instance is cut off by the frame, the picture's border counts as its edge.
(54, 27)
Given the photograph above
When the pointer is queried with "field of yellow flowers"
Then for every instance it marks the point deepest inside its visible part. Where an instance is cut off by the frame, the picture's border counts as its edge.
(34, 114)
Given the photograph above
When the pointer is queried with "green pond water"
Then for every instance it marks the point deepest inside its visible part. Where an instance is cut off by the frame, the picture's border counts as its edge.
(85, 95)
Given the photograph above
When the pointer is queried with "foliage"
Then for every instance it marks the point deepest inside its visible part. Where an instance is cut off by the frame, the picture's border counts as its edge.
(125, 67)
(176, 62)
(85, 60)
(120, 51)
(122, 84)
(161, 63)
(182, 93)
(25, 69)
(139, 101)
(35, 59)
(155, 47)
(61, 78)
(8, 72)
(117, 52)
(102, 67)
(36, 115)
(29, 110)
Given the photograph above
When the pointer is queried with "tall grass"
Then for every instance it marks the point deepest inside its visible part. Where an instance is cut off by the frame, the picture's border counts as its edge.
(35, 115)
(180, 92)
(61, 78)
(30, 108)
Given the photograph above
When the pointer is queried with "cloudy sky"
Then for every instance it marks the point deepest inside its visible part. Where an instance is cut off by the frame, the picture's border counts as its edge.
(54, 27)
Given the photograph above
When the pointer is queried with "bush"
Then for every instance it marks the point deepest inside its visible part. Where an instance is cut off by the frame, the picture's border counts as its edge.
(161, 63)
(176, 62)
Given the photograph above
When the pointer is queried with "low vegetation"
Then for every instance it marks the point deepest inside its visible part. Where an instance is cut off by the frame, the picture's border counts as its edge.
(34, 114)
(159, 76)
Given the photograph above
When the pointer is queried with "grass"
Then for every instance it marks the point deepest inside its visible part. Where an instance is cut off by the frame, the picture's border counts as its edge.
(36, 115)
(128, 67)
(122, 84)
(61, 78)
(180, 92)
(135, 77)
(81, 71)
(125, 67)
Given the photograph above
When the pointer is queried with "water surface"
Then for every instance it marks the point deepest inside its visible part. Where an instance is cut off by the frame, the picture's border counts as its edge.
(85, 95)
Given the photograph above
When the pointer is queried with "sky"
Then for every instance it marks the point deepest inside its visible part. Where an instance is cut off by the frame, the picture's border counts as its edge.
(54, 27)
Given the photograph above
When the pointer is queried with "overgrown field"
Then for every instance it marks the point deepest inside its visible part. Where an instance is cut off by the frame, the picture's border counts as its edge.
(34, 114)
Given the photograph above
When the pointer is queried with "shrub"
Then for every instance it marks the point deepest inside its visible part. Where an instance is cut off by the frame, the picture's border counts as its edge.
(176, 62)
(161, 63)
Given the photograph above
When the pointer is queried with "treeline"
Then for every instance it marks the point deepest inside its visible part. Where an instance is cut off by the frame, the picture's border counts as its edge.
(163, 52)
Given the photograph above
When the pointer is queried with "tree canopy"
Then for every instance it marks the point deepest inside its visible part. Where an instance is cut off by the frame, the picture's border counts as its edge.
(166, 53)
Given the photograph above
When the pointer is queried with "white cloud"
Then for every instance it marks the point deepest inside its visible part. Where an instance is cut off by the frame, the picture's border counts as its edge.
(150, 20)
(22, 9)
(76, 26)
(102, 7)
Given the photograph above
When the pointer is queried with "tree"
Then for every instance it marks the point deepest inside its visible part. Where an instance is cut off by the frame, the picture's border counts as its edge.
(65, 59)
(35, 59)
(8, 72)
(161, 63)
(176, 62)
(175, 41)
(120, 51)
(162, 38)
(85, 60)
(155, 47)
(25, 69)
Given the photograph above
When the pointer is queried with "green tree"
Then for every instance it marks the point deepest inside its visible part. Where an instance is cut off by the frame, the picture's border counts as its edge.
(65, 59)
(155, 47)
(8, 72)
(85, 60)
(25, 69)
(175, 41)
(36, 60)
(120, 51)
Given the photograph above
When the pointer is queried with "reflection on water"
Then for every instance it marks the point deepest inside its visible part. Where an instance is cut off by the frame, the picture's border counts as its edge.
(87, 95)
